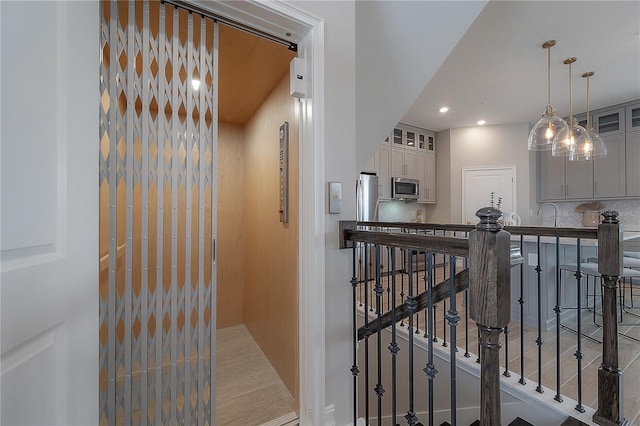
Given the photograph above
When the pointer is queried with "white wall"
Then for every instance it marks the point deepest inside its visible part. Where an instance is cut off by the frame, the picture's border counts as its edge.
(339, 152)
(368, 87)
(399, 46)
(483, 146)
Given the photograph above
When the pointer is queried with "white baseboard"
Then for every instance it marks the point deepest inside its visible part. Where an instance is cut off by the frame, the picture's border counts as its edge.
(330, 415)
(290, 419)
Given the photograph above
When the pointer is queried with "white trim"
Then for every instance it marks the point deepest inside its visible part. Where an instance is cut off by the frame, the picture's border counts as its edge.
(311, 249)
(312, 244)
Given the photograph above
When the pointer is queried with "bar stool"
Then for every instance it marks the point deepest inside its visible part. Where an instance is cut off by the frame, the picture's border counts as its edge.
(589, 270)
(632, 262)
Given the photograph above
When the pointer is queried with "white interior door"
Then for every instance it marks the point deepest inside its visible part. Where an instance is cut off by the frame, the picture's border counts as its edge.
(479, 183)
(49, 257)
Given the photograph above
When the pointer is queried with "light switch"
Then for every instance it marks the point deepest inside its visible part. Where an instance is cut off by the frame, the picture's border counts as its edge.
(335, 197)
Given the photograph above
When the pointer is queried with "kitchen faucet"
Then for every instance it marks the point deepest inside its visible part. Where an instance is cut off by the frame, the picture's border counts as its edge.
(555, 215)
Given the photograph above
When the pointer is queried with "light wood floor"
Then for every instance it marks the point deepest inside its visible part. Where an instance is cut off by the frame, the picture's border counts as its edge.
(629, 350)
(248, 389)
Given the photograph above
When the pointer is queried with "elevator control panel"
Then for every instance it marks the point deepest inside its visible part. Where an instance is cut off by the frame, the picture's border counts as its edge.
(284, 172)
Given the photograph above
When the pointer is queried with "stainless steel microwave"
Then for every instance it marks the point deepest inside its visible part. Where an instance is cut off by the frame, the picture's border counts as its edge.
(404, 188)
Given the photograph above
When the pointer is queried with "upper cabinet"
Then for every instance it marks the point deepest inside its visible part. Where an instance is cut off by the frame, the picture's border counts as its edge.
(633, 164)
(408, 152)
(609, 122)
(615, 176)
(632, 118)
(427, 142)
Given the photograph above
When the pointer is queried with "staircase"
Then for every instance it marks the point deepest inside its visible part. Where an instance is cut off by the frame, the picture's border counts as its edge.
(411, 364)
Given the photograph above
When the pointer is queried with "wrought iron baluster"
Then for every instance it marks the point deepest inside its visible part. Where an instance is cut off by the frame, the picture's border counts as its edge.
(430, 368)
(578, 354)
(466, 311)
(452, 318)
(403, 254)
(557, 310)
(539, 342)
(522, 380)
(506, 352)
(379, 389)
(411, 307)
(366, 339)
(354, 365)
(393, 347)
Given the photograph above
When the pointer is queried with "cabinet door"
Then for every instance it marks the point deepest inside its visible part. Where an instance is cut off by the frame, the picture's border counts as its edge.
(551, 181)
(633, 164)
(610, 122)
(632, 120)
(422, 176)
(427, 177)
(410, 164)
(578, 179)
(384, 172)
(609, 173)
(397, 162)
(410, 138)
(396, 137)
(431, 179)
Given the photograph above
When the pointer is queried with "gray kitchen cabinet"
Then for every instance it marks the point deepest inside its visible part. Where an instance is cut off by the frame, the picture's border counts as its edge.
(578, 179)
(384, 172)
(632, 149)
(404, 163)
(561, 179)
(427, 177)
(609, 173)
(426, 142)
(551, 180)
(609, 122)
(404, 136)
(408, 152)
(632, 118)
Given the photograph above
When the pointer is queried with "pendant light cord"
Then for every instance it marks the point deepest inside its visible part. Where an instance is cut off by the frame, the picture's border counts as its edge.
(549, 75)
(588, 75)
(570, 61)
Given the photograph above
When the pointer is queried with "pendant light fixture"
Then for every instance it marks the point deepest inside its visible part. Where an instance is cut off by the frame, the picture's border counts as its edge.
(568, 138)
(542, 134)
(593, 148)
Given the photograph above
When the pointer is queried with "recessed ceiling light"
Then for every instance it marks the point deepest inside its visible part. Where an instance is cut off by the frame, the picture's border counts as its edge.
(481, 123)
(444, 109)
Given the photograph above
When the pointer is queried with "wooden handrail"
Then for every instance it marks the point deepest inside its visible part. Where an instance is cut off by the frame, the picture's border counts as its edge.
(488, 280)
(440, 292)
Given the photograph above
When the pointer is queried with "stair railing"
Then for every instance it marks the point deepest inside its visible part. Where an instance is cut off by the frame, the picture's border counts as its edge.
(491, 318)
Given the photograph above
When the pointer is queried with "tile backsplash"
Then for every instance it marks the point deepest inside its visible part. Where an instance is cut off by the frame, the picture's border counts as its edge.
(567, 216)
(400, 211)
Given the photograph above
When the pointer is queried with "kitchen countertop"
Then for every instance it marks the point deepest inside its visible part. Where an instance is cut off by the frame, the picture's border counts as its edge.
(627, 235)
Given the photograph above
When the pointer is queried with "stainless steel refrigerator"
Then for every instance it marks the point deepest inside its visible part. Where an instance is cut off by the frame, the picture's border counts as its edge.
(366, 211)
(367, 197)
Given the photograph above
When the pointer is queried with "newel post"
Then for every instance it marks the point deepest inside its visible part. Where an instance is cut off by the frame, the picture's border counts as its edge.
(490, 297)
(609, 375)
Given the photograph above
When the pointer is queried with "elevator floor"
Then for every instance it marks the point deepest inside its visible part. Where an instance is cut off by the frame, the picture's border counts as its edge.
(248, 389)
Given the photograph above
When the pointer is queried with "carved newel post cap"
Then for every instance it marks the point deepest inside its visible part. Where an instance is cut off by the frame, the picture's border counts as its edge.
(610, 216)
(489, 219)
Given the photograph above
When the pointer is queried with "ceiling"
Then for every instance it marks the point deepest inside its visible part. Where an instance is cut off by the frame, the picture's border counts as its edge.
(498, 70)
(249, 68)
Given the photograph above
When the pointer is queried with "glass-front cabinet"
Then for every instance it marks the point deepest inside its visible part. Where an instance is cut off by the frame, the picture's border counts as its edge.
(609, 122)
(633, 118)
